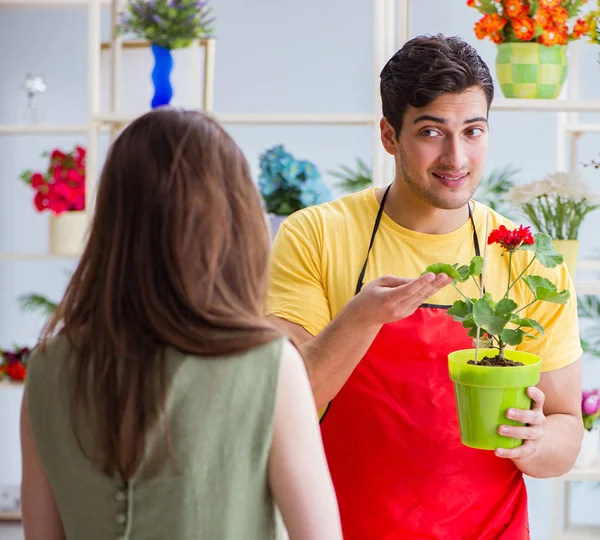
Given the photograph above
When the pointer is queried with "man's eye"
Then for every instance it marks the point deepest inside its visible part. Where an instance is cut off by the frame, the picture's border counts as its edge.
(430, 133)
(475, 132)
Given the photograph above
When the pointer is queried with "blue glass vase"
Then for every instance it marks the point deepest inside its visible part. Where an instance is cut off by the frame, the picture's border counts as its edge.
(163, 65)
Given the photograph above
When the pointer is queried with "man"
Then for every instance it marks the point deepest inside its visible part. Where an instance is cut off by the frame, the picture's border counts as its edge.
(376, 345)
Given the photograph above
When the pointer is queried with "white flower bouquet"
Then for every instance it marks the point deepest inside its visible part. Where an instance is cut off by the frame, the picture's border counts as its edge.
(555, 205)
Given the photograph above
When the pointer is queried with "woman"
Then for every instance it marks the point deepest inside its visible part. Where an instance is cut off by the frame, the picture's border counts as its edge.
(160, 403)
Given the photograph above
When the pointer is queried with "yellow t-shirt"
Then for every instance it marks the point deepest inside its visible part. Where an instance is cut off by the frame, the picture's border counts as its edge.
(319, 251)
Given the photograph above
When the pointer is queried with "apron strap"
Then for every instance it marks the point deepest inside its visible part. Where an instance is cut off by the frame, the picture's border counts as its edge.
(359, 283)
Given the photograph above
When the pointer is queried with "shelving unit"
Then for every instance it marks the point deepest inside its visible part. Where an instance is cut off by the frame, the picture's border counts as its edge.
(391, 29)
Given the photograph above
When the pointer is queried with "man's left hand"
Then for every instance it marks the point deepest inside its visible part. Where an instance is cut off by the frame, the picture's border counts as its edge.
(531, 433)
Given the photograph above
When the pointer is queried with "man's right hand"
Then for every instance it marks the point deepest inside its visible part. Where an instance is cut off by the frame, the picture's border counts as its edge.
(331, 356)
(390, 298)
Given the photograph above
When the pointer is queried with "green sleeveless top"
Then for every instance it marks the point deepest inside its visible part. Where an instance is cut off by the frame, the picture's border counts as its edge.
(220, 415)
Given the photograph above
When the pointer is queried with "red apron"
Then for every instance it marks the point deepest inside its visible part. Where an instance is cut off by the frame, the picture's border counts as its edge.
(392, 442)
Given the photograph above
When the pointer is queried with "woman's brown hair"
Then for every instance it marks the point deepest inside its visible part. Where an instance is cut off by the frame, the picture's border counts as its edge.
(177, 256)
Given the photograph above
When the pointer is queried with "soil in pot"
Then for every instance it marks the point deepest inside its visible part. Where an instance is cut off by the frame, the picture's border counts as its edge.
(497, 361)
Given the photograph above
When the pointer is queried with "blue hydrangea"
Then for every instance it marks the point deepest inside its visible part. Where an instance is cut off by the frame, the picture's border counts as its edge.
(287, 184)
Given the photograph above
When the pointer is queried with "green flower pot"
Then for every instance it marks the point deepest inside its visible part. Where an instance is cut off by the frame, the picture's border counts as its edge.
(531, 70)
(484, 394)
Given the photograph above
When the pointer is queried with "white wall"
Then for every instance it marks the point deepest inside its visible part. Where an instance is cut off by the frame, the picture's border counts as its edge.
(272, 57)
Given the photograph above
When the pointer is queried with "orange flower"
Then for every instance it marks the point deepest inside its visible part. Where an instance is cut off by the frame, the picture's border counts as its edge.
(472, 3)
(580, 28)
(515, 9)
(559, 15)
(553, 36)
(549, 4)
(490, 26)
(524, 28)
(542, 18)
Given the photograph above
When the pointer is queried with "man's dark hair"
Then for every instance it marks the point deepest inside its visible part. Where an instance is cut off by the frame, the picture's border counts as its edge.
(427, 67)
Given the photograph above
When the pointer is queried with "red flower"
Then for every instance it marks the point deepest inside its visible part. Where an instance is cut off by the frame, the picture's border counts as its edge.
(37, 180)
(16, 370)
(511, 240)
(57, 154)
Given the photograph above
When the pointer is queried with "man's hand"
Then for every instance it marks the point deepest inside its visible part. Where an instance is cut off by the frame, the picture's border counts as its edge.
(390, 298)
(532, 432)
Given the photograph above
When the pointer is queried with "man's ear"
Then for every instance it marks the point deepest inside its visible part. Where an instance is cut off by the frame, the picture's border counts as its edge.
(388, 137)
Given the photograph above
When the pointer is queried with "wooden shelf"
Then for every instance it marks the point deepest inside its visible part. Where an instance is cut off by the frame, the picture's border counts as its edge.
(139, 44)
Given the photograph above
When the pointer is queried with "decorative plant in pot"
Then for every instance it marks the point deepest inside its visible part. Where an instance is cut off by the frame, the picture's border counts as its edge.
(532, 37)
(590, 411)
(60, 189)
(557, 206)
(492, 377)
(353, 180)
(13, 364)
(167, 25)
(288, 185)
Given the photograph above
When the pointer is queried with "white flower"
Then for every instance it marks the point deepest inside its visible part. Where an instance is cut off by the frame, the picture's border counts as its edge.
(565, 185)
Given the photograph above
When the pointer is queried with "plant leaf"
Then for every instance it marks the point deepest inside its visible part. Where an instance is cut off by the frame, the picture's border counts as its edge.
(512, 336)
(444, 268)
(460, 310)
(545, 290)
(476, 266)
(505, 307)
(544, 250)
(529, 323)
(485, 317)
(463, 272)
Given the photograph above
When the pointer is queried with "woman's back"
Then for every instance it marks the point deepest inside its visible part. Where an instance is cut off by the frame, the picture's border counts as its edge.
(219, 413)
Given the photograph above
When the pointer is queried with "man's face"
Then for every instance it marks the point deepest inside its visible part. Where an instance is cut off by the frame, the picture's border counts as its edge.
(441, 150)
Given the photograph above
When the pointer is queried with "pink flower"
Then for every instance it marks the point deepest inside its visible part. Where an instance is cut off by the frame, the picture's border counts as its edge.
(591, 404)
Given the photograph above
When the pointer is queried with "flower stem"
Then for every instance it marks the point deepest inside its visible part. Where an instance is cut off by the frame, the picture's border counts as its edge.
(510, 254)
(460, 292)
(520, 275)
(525, 307)
(478, 286)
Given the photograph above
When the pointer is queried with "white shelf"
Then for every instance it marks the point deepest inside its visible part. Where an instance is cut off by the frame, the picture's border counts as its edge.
(257, 119)
(584, 474)
(591, 286)
(583, 128)
(580, 532)
(544, 105)
(34, 257)
(49, 3)
(40, 129)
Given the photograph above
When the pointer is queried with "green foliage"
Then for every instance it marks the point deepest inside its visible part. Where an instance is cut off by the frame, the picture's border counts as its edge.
(172, 24)
(494, 187)
(353, 179)
(501, 321)
(37, 302)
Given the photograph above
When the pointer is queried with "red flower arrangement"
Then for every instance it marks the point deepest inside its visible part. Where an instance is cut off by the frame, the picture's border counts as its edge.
(62, 187)
(13, 364)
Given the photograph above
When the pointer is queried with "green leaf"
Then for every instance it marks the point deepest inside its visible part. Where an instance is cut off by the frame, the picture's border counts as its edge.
(444, 268)
(529, 323)
(484, 316)
(544, 250)
(476, 266)
(545, 290)
(460, 310)
(505, 307)
(512, 336)
(37, 302)
(463, 272)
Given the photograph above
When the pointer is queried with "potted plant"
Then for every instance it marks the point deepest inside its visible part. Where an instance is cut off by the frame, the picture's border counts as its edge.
(353, 180)
(590, 411)
(167, 25)
(13, 364)
(491, 377)
(60, 190)
(532, 37)
(288, 185)
(557, 206)
(494, 187)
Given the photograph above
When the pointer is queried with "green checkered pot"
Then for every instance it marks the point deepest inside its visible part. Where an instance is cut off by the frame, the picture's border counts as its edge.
(531, 70)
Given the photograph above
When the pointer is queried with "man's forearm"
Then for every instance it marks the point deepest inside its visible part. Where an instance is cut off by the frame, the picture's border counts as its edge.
(558, 450)
(332, 356)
